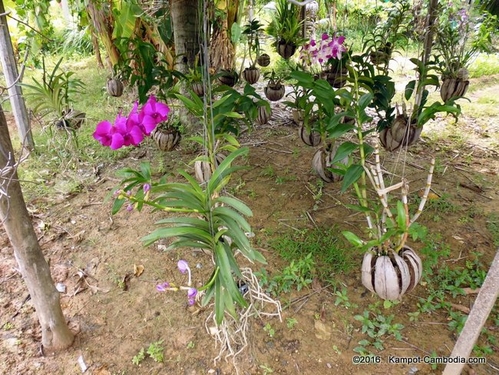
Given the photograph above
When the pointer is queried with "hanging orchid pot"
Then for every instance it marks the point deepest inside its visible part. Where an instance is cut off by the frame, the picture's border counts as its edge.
(202, 169)
(263, 60)
(166, 138)
(274, 92)
(392, 275)
(251, 75)
(400, 134)
(198, 88)
(228, 77)
(73, 119)
(298, 116)
(322, 163)
(264, 114)
(286, 49)
(114, 87)
(382, 56)
(335, 77)
(310, 137)
(455, 87)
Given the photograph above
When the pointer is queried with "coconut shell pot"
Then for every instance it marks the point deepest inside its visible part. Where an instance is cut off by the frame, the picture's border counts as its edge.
(114, 87)
(202, 169)
(400, 133)
(198, 88)
(263, 60)
(251, 75)
(393, 274)
(264, 114)
(274, 92)
(73, 119)
(228, 77)
(286, 49)
(454, 87)
(335, 77)
(166, 139)
(322, 163)
(310, 137)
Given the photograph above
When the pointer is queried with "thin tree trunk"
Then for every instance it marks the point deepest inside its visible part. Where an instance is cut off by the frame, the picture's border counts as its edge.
(12, 79)
(186, 32)
(34, 269)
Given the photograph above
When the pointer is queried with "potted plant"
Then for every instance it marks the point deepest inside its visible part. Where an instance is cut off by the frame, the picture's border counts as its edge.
(195, 78)
(167, 134)
(458, 42)
(252, 73)
(286, 28)
(228, 77)
(274, 90)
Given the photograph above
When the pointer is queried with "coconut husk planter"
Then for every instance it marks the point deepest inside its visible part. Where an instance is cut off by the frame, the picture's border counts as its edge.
(286, 49)
(274, 92)
(310, 137)
(393, 274)
(114, 87)
(400, 133)
(166, 139)
(251, 75)
(322, 163)
(264, 114)
(455, 87)
(263, 60)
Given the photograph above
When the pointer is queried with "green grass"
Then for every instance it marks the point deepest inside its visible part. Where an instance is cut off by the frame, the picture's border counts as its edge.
(330, 253)
(484, 65)
(493, 227)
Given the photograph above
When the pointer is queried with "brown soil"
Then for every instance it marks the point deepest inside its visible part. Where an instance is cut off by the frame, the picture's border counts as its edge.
(116, 313)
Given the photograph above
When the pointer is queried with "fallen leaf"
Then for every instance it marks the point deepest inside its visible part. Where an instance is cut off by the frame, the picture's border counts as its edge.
(138, 270)
(322, 331)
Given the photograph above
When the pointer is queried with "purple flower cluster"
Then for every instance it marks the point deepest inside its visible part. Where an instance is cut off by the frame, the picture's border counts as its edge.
(183, 267)
(329, 47)
(131, 130)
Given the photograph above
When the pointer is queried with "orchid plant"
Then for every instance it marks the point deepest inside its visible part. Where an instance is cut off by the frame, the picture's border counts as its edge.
(132, 129)
(184, 268)
(326, 51)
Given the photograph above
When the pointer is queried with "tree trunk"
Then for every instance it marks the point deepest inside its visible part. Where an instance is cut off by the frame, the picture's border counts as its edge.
(186, 32)
(34, 269)
(12, 79)
(102, 25)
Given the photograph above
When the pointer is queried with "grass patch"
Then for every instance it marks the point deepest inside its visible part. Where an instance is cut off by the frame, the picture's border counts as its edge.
(493, 227)
(484, 65)
(328, 250)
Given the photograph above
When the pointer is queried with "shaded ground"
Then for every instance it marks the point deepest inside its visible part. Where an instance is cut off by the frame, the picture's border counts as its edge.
(117, 314)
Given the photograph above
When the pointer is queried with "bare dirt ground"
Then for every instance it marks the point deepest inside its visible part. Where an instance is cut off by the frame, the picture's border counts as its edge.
(116, 314)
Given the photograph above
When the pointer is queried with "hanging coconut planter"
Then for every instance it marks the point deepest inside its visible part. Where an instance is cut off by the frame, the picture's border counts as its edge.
(202, 169)
(263, 60)
(286, 49)
(198, 88)
(322, 163)
(73, 119)
(392, 275)
(401, 133)
(335, 77)
(251, 75)
(228, 77)
(166, 138)
(114, 87)
(274, 92)
(455, 87)
(310, 137)
(264, 114)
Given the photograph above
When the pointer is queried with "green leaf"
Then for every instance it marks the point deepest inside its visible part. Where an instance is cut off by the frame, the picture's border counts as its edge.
(117, 204)
(352, 174)
(185, 232)
(344, 151)
(365, 100)
(409, 89)
(401, 217)
(236, 204)
(352, 238)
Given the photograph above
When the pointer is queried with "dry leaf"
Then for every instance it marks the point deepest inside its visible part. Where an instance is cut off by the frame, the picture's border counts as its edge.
(138, 270)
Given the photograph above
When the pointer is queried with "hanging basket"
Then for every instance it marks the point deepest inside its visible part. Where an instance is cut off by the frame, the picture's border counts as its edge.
(198, 88)
(166, 139)
(251, 75)
(322, 163)
(114, 87)
(263, 115)
(392, 275)
(202, 169)
(400, 133)
(310, 137)
(228, 77)
(274, 92)
(335, 77)
(454, 87)
(263, 60)
(286, 49)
